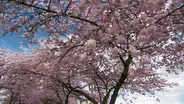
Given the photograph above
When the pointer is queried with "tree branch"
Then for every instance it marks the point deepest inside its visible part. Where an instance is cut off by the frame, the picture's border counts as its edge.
(68, 6)
(49, 4)
(121, 80)
(63, 14)
(106, 97)
(74, 90)
(169, 13)
(80, 92)
(61, 57)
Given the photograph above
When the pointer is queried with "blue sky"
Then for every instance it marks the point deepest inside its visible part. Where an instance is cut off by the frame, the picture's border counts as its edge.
(11, 41)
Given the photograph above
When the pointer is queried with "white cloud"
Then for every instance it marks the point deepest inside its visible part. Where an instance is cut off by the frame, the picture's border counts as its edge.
(173, 96)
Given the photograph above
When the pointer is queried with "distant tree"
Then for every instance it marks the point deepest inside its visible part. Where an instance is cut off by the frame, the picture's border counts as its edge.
(96, 50)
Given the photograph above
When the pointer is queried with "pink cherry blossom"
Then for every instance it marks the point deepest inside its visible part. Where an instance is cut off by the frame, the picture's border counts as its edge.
(90, 44)
(145, 59)
(120, 39)
(133, 51)
(114, 51)
(93, 50)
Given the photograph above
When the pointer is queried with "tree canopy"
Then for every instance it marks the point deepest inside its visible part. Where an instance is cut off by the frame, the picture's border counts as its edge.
(94, 50)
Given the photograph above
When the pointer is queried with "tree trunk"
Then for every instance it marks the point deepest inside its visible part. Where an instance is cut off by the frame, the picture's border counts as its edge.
(121, 80)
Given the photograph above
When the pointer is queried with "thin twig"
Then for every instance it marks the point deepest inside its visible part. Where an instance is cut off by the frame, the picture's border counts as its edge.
(169, 13)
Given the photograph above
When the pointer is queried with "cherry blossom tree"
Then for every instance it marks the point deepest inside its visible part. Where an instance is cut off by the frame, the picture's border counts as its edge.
(94, 50)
